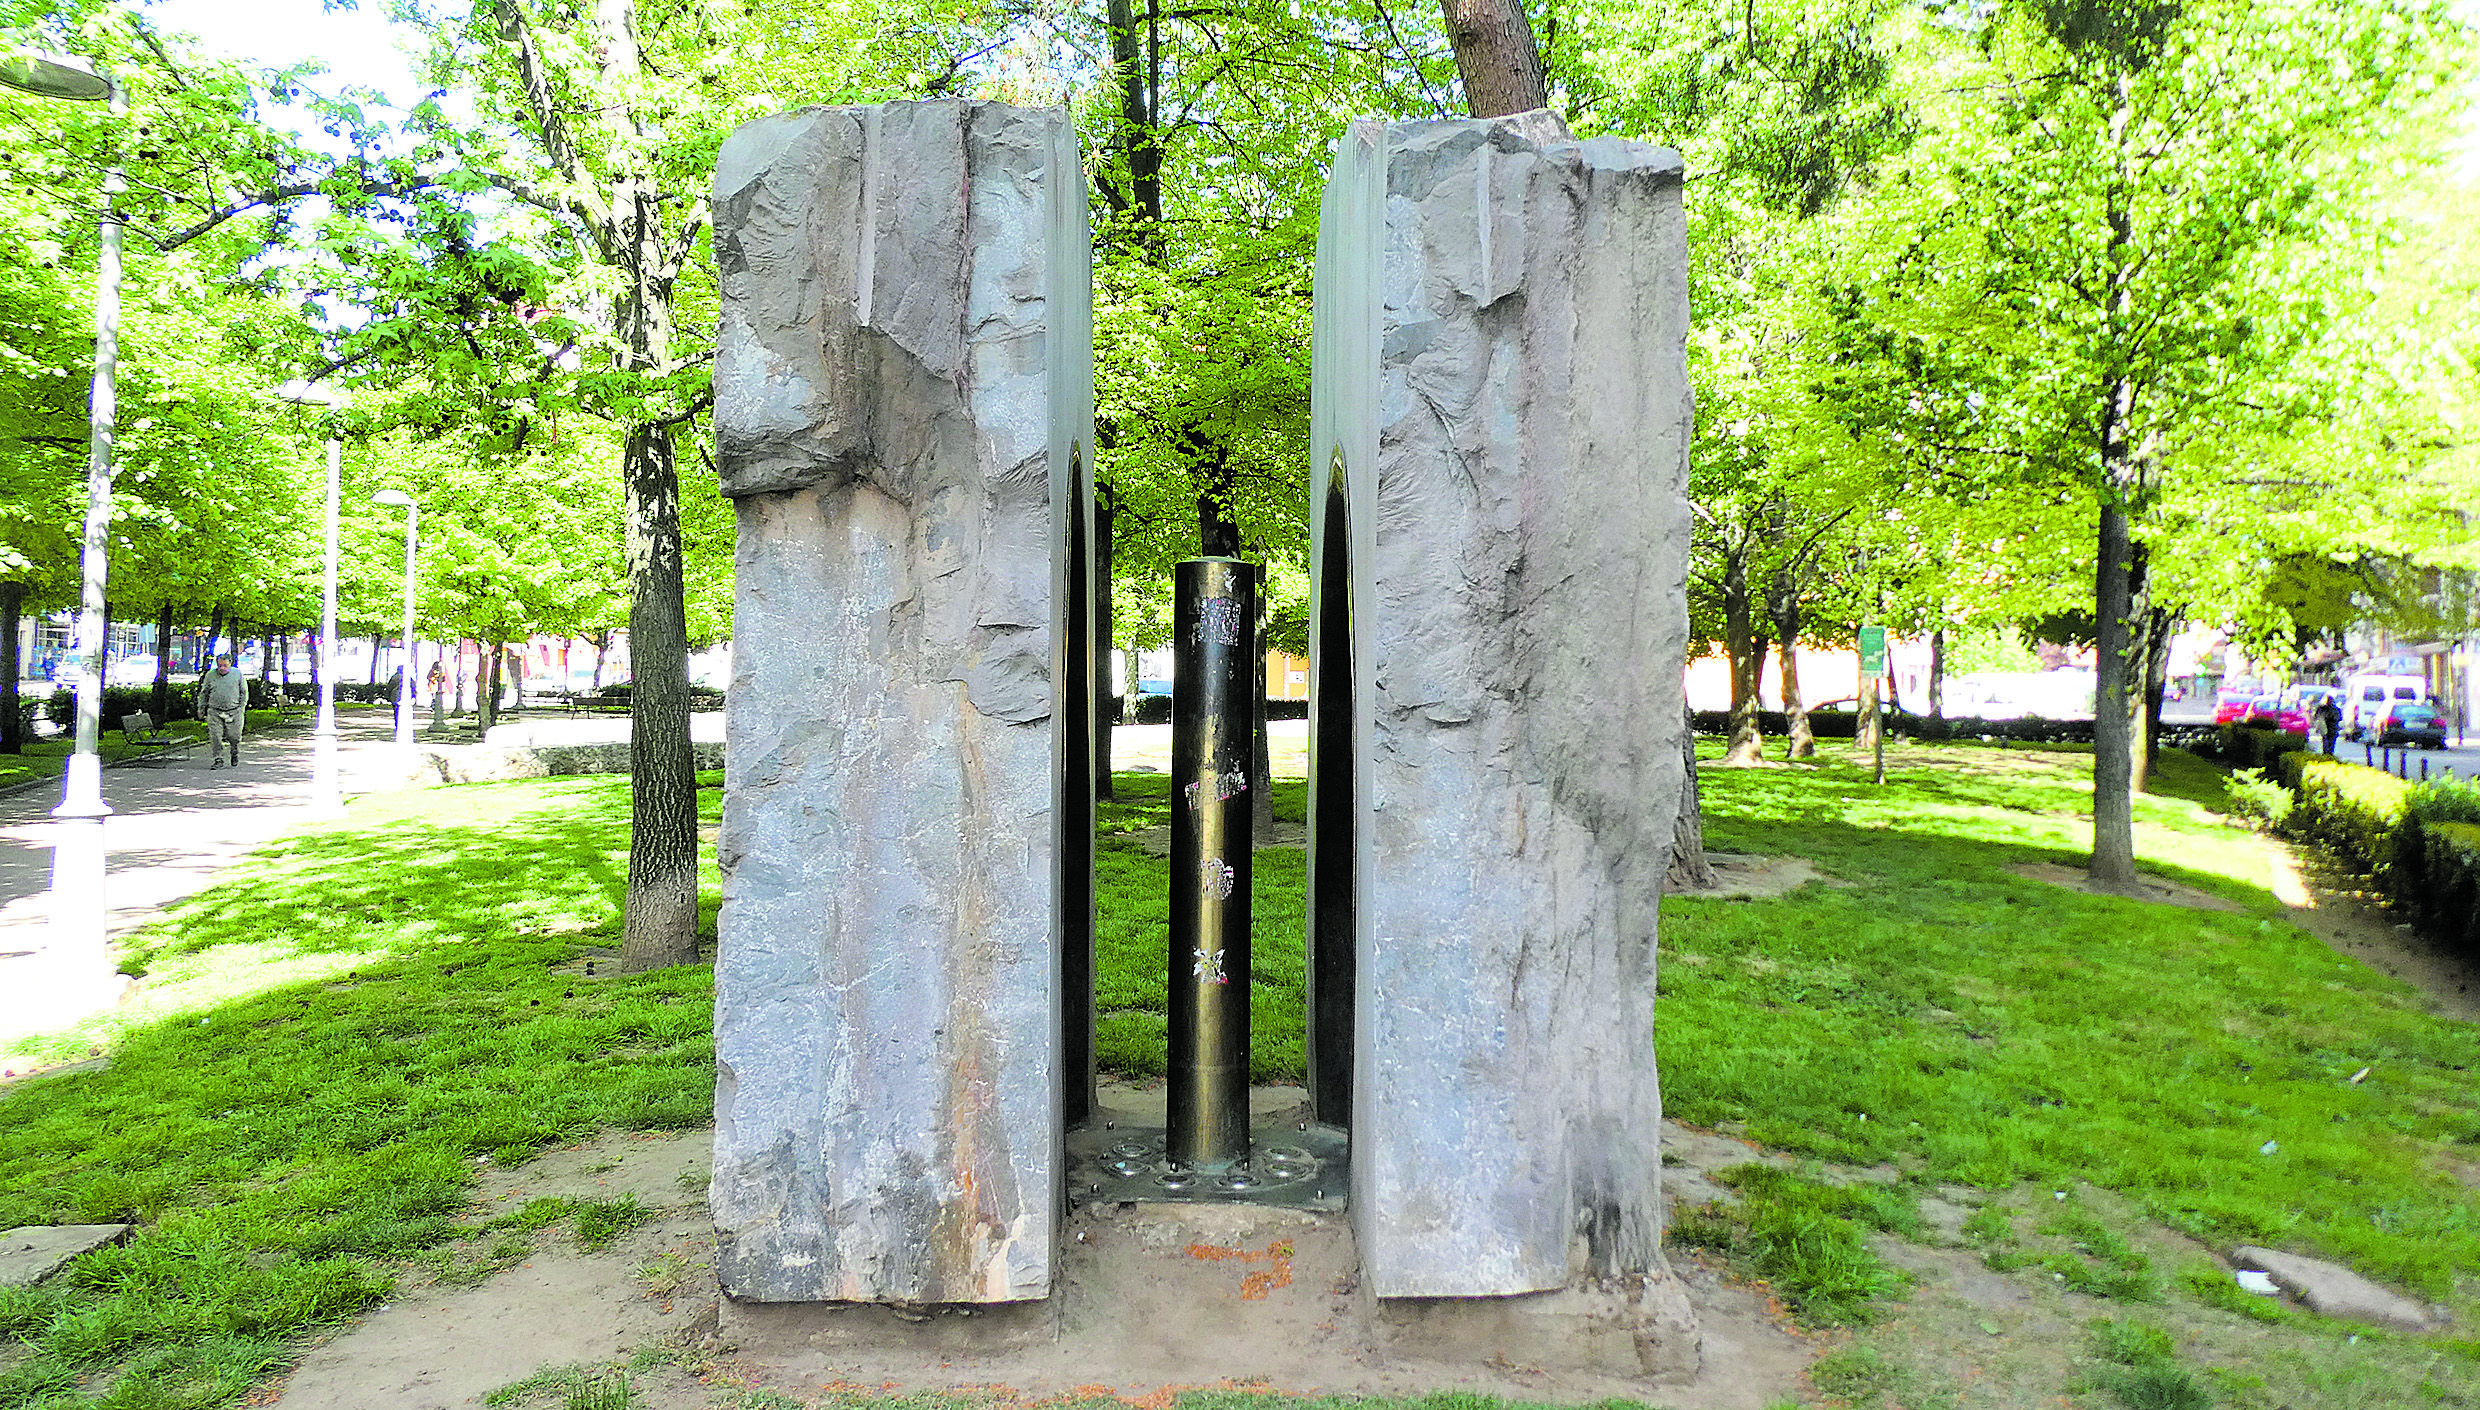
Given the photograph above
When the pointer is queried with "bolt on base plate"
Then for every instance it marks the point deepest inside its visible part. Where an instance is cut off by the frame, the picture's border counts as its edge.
(1289, 1167)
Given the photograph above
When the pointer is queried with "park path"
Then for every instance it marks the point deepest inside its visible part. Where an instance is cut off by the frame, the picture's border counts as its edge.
(174, 828)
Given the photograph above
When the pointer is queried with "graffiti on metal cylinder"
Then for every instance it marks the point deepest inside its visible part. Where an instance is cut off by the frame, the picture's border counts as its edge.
(1218, 622)
(1226, 785)
(1217, 876)
(1209, 966)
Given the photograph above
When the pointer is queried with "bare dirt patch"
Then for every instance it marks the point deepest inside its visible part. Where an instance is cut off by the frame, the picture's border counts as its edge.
(2337, 908)
(2149, 888)
(1154, 1297)
(1739, 875)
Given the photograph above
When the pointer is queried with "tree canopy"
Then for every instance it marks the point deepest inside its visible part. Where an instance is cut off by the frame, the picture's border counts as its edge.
(2138, 309)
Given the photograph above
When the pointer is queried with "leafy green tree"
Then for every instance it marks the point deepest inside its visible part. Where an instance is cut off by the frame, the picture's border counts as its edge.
(205, 497)
(2110, 280)
(1780, 110)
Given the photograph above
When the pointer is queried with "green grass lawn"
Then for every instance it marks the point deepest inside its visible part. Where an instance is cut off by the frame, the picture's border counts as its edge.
(1132, 938)
(330, 1043)
(326, 1046)
(1935, 1008)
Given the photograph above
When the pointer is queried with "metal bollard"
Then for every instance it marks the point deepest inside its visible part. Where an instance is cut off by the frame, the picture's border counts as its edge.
(1214, 626)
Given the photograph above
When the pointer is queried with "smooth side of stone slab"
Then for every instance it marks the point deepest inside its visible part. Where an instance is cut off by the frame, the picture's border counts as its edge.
(901, 285)
(29, 1255)
(1500, 385)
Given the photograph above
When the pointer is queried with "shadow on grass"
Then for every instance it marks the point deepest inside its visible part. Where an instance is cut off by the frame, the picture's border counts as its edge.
(421, 883)
(354, 1021)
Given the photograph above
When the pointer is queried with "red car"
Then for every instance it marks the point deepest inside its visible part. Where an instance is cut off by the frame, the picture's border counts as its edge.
(2231, 706)
(2268, 712)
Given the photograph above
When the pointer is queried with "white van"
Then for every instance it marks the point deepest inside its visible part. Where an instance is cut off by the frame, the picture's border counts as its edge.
(2365, 698)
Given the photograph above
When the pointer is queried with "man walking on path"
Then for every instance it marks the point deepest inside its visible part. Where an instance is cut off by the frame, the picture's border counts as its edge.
(222, 694)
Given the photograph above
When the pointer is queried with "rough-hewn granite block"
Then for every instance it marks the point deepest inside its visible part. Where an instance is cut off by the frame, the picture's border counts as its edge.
(1500, 383)
(903, 381)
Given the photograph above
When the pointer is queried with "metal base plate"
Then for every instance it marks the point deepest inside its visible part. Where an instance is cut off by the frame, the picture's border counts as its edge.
(1290, 1167)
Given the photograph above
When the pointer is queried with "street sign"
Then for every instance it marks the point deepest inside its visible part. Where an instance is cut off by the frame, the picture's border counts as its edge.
(1872, 651)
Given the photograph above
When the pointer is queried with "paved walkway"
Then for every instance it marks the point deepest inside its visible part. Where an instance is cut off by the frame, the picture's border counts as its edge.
(173, 829)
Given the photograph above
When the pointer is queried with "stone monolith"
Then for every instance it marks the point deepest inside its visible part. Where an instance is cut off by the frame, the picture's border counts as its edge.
(903, 403)
(1499, 444)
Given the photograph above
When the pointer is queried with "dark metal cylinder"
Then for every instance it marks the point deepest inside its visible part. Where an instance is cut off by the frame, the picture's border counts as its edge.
(1214, 632)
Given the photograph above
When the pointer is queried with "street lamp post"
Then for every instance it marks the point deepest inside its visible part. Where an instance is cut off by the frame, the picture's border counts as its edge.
(404, 687)
(83, 974)
(326, 798)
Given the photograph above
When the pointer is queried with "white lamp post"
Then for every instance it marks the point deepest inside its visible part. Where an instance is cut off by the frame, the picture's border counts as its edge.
(83, 971)
(404, 687)
(325, 796)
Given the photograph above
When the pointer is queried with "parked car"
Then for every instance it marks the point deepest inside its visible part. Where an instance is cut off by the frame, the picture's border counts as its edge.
(2230, 707)
(2265, 712)
(2410, 722)
(2369, 696)
(131, 670)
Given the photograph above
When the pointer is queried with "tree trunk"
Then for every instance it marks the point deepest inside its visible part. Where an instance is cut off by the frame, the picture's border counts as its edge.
(2118, 571)
(2114, 841)
(1739, 638)
(1689, 870)
(2139, 663)
(629, 235)
(1937, 674)
(486, 687)
(375, 639)
(1782, 604)
(1865, 733)
(602, 644)
(661, 918)
(1494, 52)
(1217, 535)
(1136, 63)
(215, 633)
(160, 702)
(2156, 684)
(12, 710)
(1132, 670)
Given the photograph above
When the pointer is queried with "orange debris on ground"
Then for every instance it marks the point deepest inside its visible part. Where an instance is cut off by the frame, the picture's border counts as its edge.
(1255, 1286)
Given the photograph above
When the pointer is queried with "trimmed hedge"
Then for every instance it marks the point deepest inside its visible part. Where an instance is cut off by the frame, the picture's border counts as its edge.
(701, 697)
(2247, 746)
(121, 701)
(2356, 810)
(2420, 840)
(2448, 906)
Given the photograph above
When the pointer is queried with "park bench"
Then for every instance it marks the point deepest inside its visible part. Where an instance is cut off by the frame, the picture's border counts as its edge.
(140, 731)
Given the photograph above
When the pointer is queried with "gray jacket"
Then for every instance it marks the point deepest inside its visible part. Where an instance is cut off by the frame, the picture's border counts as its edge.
(224, 690)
